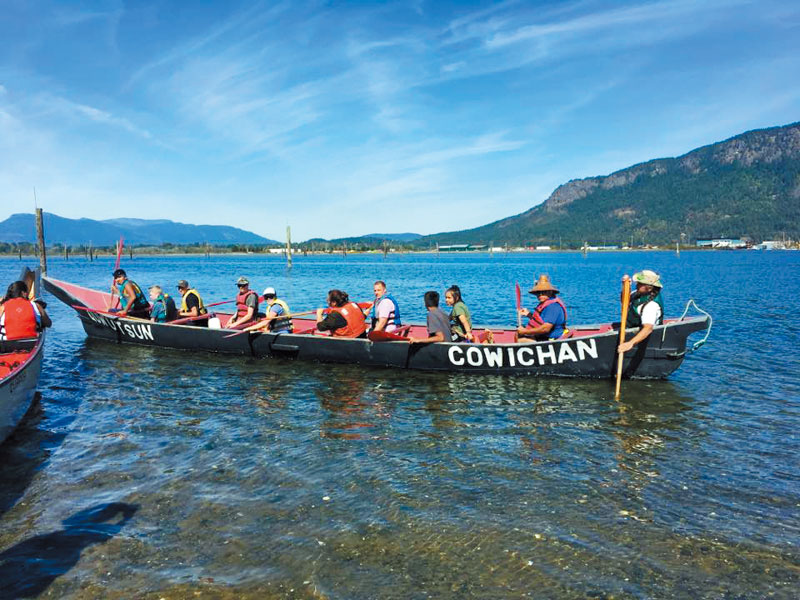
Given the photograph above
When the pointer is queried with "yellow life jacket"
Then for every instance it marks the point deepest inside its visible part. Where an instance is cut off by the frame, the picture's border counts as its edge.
(281, 323)
(201, 309)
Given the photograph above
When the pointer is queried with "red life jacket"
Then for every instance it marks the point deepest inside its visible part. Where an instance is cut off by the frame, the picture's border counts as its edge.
(20, 319)
(356, 323)
(241, 307)
(536, 315)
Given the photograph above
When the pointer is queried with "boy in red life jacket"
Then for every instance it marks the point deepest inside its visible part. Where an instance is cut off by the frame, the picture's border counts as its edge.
(344, 319)
(246, 306)
(21, 318)
(548, 321)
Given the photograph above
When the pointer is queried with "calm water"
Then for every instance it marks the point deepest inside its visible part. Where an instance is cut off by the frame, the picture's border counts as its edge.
(158, 474)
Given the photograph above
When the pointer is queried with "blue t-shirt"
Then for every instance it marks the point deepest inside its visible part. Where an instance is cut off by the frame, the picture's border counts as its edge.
(279, 324)
(554, 314)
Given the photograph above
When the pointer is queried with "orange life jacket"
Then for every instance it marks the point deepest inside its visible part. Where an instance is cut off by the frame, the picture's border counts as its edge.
(20, 319)
(356, 323)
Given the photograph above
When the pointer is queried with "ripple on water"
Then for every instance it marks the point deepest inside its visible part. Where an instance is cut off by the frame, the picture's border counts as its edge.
(279, 479)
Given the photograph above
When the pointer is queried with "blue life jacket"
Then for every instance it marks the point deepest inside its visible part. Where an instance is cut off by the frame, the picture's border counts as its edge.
(139, 302)
(374, 315)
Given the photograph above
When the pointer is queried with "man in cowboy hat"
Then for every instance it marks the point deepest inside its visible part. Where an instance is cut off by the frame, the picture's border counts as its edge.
(646, 308)
(548, 321)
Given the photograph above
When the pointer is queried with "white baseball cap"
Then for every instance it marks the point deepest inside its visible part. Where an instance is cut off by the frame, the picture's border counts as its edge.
(270, 291)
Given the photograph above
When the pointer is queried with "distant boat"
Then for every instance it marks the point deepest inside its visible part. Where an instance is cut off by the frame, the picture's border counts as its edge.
(20, 367)
(591, 350)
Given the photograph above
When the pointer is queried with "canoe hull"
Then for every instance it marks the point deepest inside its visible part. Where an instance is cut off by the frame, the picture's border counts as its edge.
(18, 388)
(591, 356)
(583, 356)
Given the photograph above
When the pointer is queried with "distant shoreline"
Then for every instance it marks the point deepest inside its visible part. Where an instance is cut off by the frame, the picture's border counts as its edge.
(82, 257)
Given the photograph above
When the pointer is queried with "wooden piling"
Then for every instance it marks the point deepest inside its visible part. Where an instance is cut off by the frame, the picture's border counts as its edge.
(289, 246)
(40, 241)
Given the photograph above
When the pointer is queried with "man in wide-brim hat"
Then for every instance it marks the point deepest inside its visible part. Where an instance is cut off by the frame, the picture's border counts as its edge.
(646, 307)
(548, 321)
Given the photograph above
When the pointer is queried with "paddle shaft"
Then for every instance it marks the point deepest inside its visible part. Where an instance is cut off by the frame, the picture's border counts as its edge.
(106, 313)
(187, 319)
(263, 322)
(626, 298)
(518, 293)
(116, 266)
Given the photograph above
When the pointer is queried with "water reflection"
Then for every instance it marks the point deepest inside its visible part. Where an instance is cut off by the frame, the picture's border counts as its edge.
(355, 406)
(21, 455)
(29, 567)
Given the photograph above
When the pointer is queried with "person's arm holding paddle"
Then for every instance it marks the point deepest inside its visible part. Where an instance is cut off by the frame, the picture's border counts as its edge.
(645, 304)
(539, 330)
(112, 300)
(130, 295)
(643, 334)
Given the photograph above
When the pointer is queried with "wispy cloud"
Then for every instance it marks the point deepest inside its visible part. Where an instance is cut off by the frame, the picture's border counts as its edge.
(345, 105)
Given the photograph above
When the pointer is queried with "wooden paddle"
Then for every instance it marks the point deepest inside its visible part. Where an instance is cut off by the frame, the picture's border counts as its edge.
(188, 319)
(385, 336)
(263, 322)
(106, 313)
(626, 298)
(519, 304)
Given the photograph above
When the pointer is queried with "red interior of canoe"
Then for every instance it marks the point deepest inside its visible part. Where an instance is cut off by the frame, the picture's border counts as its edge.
(99, 301)
(11, 361)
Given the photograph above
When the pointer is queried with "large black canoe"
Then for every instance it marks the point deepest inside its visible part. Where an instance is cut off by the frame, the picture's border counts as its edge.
(20, 367)
(590, 352)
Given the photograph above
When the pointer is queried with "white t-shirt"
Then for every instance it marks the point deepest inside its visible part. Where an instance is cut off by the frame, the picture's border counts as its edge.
(385, 310)
(650, 313)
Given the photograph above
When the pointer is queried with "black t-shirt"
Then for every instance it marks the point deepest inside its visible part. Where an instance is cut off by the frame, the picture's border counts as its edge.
(332, 322)
(192, 302)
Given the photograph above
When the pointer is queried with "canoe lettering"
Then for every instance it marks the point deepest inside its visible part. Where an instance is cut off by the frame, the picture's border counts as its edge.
(525, 356)
(140, 331)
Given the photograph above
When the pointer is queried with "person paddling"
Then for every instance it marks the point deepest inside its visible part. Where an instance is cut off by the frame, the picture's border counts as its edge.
(646, 307)
(385, 313)
(246, 306)
(276, 320)
(344, 319)
(131, 298)
(21, 318)
(191, 303)
(548, 321)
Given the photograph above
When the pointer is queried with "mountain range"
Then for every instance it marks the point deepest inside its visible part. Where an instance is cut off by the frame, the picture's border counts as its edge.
(21, 227)
(746, 186)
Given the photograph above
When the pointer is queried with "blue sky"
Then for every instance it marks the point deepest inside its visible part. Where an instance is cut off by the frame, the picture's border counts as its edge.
(350, 118)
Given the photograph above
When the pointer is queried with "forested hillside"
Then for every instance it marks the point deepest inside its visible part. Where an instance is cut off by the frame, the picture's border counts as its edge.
(747, 186)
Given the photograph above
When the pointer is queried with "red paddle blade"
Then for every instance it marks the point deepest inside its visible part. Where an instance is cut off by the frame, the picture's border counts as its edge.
(119, 253)
(383, 336)
(519, 296)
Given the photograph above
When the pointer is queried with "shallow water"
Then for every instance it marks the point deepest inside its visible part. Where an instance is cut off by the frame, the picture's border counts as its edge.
(149, 473)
